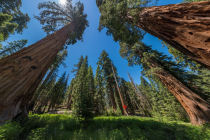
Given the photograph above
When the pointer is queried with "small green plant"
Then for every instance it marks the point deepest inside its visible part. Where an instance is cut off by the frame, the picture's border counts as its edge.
(10, 131)
(37, 134)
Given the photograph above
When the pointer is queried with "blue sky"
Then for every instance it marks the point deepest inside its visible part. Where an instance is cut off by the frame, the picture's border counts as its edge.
(93, 41)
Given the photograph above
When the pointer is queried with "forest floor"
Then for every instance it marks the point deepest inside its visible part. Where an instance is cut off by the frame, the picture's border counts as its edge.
(65, 127)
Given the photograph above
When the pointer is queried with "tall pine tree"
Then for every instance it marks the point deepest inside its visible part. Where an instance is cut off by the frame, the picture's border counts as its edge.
(83, 92)
(105, 64)
(99, 97)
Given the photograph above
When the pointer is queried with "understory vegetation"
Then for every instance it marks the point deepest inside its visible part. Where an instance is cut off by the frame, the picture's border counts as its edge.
(65, 127)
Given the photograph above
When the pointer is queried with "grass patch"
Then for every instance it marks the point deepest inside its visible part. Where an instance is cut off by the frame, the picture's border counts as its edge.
(65, 127)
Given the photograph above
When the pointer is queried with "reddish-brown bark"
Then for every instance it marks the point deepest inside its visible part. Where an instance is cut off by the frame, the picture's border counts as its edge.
(197, 109)
(186, 27)
(21, 73)
(124, 111)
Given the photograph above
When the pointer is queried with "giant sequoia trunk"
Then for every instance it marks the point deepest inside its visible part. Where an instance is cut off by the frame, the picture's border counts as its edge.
(21, 73)
(197, 109)
(186, 27)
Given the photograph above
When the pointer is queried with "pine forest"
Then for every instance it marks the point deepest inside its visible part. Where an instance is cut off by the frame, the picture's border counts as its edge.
(105, 70)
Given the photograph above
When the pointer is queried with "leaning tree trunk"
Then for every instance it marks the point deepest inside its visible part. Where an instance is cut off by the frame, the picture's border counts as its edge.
(144, 102)
(69, 102)
(21, 73)
(197, 109)
(123, 109)
(112, 99)
(186, 27)
(39, 89)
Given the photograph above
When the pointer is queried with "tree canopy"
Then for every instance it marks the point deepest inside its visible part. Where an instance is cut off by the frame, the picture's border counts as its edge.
(53, 16)
(12, 8)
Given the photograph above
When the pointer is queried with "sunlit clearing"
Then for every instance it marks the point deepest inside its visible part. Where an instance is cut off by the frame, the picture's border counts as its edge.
(62, 2)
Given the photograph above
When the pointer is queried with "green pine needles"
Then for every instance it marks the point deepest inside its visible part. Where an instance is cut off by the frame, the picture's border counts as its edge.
(53, 16)
(83, 92)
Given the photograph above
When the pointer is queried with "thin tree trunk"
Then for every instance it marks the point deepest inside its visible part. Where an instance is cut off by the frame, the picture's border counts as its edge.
(37, 93)
(69, 101)
(143, 99)
(43, 110)
(186, 27)
(21, 72)
(197, 109)
(138, 92)
(46, 79)
(113, 102)
(121, 99)
(118, 101)
(49, 108)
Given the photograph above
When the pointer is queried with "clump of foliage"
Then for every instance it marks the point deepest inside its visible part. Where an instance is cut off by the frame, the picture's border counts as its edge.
(12, 8)
(6, 27)
(12, 47)
(10, 131)
(115, 17)
(12, 20)
(54, 16)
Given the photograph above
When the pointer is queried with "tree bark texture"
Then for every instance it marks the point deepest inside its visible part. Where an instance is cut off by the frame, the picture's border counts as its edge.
(197, 109)
(21, 72)
(124, 111)
(186, 27)
(113, 102)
